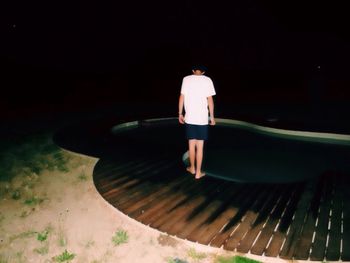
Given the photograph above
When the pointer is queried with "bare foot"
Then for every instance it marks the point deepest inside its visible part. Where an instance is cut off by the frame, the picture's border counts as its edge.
(191, 170)
(200, 175)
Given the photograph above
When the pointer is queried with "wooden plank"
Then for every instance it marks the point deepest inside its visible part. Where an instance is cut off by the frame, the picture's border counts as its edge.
(117, 180)
(198, 217)
(178, 211)
(206, 232)
(136, 173)
(250, 227)
(345, 186)
(238, 214)
(104, 171)
(131, 179)
(334, 241)
(278, 237)
(267, 231)
(163, 182)
(165, 206)
(296, 227)
(103, 166)
(122, 189)
(112, 176)
(106, 174)
(179, 214)
(318, 249)
(146, 190)
(157, 208)
(304, 243)
(132, 186)
(138, 191)
(135, 206)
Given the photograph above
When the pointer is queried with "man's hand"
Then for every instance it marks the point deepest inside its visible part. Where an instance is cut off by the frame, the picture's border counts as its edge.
(181, 119)
(211, 110)
(212, 121)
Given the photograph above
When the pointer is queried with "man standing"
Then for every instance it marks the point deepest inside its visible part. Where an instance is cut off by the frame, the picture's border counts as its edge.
(196, 95)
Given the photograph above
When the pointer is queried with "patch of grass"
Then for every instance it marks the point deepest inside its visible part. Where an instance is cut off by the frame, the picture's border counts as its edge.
(120, 237)
(20, 258)
(60, 162)
(192, 253)
(33, 201)
(16, 194)
(65, 256)
(62, 240)
(29, 154)
(26, 234)
(4, 189)
(42, 236)
(4, 259)
(36, 166)
(62, 167)
(42, 250)
(236, 259)
(82, 177)
(29, 183)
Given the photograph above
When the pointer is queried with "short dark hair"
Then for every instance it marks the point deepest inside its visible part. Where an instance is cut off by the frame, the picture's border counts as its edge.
(199, 67)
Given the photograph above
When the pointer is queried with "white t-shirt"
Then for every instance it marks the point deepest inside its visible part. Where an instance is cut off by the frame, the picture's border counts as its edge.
(196, 89)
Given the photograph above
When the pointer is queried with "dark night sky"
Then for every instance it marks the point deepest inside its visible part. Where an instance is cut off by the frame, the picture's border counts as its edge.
(149, 44)
(94, 35)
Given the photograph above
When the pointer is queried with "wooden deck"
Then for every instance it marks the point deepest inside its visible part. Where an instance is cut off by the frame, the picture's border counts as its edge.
(308, 220)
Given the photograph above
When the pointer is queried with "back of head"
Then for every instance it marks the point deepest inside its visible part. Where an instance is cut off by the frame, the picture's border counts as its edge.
(200, 67)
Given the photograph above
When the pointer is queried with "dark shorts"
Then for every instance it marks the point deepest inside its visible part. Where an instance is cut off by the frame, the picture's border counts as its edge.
(198, 132)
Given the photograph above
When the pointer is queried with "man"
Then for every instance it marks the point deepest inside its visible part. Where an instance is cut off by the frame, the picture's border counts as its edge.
(196, 95)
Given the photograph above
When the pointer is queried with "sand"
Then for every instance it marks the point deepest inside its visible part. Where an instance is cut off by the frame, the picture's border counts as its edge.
(61, 211)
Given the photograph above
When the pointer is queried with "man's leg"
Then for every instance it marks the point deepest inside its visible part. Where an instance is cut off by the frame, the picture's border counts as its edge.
(192, 155)
(199, 158)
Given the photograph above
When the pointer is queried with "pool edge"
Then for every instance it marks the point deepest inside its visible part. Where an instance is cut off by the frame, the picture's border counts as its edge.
(322, 137)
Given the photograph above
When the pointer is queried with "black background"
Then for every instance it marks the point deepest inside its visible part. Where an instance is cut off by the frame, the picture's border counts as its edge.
(85, 55)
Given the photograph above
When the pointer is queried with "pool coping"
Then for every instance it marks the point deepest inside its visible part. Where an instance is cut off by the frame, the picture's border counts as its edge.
(320, 137)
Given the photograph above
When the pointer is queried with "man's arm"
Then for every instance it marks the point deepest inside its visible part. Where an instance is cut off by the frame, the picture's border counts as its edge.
(211, 110)
(181, 106)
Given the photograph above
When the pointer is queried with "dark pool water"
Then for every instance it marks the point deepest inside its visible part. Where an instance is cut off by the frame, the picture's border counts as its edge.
(232, 153)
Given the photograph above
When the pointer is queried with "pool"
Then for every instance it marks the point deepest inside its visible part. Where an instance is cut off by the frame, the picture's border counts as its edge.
(241, 151)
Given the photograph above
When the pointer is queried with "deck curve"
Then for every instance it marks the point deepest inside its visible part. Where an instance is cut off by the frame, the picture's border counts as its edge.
(289, 221)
